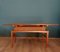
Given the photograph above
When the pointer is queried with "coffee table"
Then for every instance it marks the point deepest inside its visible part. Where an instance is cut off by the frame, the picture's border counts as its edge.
(29, 28)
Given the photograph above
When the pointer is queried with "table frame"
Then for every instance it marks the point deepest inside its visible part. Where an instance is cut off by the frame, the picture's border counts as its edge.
(13, 36)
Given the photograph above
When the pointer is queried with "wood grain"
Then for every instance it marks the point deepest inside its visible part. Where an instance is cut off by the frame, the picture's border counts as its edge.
(31, 45)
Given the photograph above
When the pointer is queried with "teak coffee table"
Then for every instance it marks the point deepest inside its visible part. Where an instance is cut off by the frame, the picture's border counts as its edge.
(30, 28)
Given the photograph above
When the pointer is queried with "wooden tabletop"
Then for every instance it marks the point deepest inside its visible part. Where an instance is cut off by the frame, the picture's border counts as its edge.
(31, 25)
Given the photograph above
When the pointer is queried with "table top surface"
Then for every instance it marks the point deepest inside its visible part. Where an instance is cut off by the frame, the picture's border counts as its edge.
(31, 24)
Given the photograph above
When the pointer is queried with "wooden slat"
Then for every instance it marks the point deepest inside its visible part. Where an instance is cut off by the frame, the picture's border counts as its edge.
(29, 29)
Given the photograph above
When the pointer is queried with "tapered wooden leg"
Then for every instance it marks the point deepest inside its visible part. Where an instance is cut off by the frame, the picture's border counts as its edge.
(42, 40)
(47, 39)
(12, 39)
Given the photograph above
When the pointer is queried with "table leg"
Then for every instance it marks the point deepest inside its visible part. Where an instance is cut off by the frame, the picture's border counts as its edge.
(12, 39)
(47, 39)
(42, 40)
